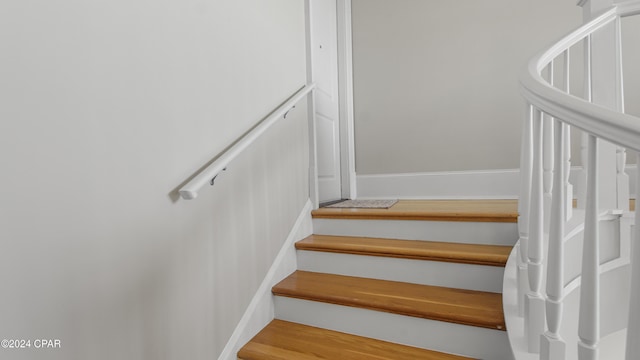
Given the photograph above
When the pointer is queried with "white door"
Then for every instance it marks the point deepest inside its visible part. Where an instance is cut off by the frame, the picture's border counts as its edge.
(324, 72)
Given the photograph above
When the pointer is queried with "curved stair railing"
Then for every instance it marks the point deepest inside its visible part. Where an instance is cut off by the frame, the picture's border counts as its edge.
(547, 269)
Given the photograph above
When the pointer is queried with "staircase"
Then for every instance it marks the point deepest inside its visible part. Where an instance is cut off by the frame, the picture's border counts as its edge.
(375, 284)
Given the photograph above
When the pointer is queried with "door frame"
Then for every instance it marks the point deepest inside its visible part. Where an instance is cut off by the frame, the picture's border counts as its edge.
(345, 93)
(345, 103)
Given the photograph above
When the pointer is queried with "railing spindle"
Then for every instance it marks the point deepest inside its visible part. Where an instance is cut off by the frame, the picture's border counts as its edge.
(633, 327)
(619, 67)
(568, 213)
(588, 96)
(582, 190)
(589, 321)
(548, 156)
(552, 346)
(534, 304)
(568, 187)
(622, 179)
(588, 86)
(526, 160)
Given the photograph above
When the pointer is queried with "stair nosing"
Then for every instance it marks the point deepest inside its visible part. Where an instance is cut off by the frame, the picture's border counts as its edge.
(396, 306)
(450, 217)
(488, 210)
(334, 340)
(407, 249)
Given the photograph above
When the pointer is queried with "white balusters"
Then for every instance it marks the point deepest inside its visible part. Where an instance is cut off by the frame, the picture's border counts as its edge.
(552, 346)
(589, 321)
(534, 304)
(526, 159)
(588, 95)
(619, 72)
(546, 193)
(633, 327)
(582, 189)
(568, 187)
(622, 179)
(548, 156)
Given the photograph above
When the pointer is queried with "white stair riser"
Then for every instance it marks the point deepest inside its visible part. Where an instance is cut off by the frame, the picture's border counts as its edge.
(450, 231)
(462, 276)
(428, 334)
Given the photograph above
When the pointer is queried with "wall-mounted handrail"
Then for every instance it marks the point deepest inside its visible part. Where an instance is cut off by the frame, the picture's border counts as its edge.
(208, 174)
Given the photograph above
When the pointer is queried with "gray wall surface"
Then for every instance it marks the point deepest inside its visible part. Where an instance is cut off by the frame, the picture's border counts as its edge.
(436, 82)
(106, 108)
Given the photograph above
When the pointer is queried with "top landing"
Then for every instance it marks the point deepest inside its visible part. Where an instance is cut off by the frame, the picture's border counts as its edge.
(434, 210)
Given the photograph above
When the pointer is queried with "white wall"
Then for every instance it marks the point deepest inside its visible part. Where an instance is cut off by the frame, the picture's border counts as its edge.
(436, 82)
(106, 108)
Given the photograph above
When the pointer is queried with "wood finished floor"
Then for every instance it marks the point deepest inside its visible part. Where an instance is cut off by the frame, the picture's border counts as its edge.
(286, 340)
(459, 306)
(282, 340)
(440, 210)
(492, 255)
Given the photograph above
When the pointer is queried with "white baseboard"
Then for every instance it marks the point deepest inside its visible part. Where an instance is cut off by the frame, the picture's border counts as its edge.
(261, 308)
(481, 184)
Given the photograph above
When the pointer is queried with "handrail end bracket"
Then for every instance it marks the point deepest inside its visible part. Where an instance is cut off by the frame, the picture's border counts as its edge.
(188, 194)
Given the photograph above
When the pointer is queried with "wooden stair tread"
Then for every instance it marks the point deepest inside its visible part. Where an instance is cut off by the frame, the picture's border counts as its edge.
(468, 307)
(435, 210)
(282, 340)
(493, 255)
